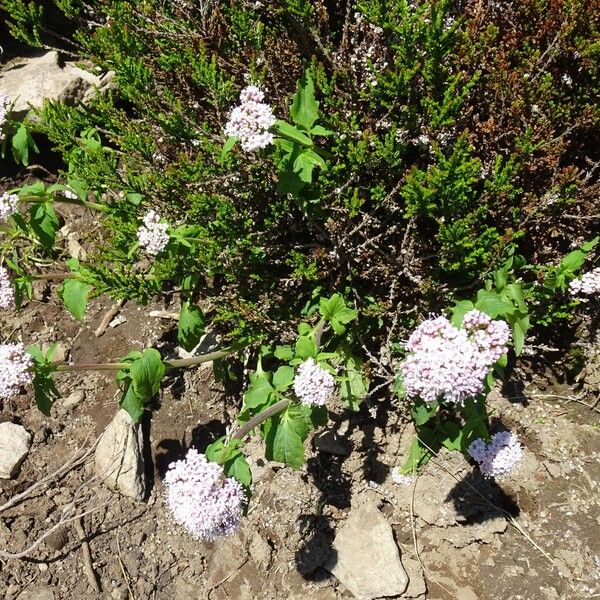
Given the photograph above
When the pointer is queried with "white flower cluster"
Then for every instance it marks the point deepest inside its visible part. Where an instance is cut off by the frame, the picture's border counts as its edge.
(152, 235)
(500, 456)
(7, 294)
(8, 205)
(4, 106)
(587, 285)
(16, 369)
(313, 385)
(449, 362)
(201, 499)
(251, 120)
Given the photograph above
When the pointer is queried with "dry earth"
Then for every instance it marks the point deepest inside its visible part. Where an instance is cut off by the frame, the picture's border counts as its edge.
(544, 545)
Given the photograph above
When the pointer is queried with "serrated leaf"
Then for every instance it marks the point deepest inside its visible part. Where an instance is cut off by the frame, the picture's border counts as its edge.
(305, 109)
(306, 347)
(284, 353)
(74, 293)
(259, 393)
(354, 387)
(421, 412)
(459, 310)
(44, 223)
(45, 392)
(285, 438)
(282, 378)
(491, 304)
(191, 326)
(335, 308)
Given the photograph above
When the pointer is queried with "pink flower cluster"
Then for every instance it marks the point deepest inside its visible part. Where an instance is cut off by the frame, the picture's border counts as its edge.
(4, 107)
(201, 499)
(152, 235)
(8, 205)
(313, 385)
(251, 120)
(587, 285)
(16, 367)
(500, 456)
(451, 363)
(7, 294)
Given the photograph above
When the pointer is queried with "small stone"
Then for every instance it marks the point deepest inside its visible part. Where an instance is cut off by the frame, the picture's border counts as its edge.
(15, 442)
(73, 400)
(119, 459)
(39, 593)
(57, 539)
(365, 557)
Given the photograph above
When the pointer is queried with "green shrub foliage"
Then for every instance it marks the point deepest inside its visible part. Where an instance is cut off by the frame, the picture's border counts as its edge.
(440, 141)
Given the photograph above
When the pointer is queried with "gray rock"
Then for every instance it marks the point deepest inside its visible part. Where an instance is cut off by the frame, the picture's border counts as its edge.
(119, 459)
(31, 80)
(73, 400)
(15, 442)
(365, 558)
(38, 593)
(416, 584)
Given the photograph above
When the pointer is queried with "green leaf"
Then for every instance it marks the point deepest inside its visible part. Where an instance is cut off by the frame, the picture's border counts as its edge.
(399, 387)
(44, 223)
(142, 382)
(452, 435)
(520, 326)
(573, 261)
(191, 326)
(354, 387)
(285, 438)
(306, 347)
(284, 353)
(282, 378)
(228, 147)
(237, 466)
(419, 454)
(305, 109)
(260, 392)
(459, 310)
(44, 391)
(134, 198)
(74, 293)
(492, 304)
(292, 133)
(21, 142)
(421, 411)
(318, 130)
(335, 311)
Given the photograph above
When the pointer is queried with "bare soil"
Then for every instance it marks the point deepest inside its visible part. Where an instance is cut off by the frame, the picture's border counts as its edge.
(533, 535)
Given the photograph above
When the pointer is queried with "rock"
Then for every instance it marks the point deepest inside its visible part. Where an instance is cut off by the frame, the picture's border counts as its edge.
(39, 593)
(31, 80)
(119, 459)
(416, 582)
(365, 558)
(330, 442)
(15, 442)
(73, 400)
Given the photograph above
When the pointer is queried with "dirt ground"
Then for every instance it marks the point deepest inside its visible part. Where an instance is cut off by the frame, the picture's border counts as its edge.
(544, 543)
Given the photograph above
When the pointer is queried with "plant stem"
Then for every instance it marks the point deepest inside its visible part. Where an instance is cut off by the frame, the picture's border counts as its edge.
(52, 276)
(169, 364)
(35, 198)
(262, 416)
